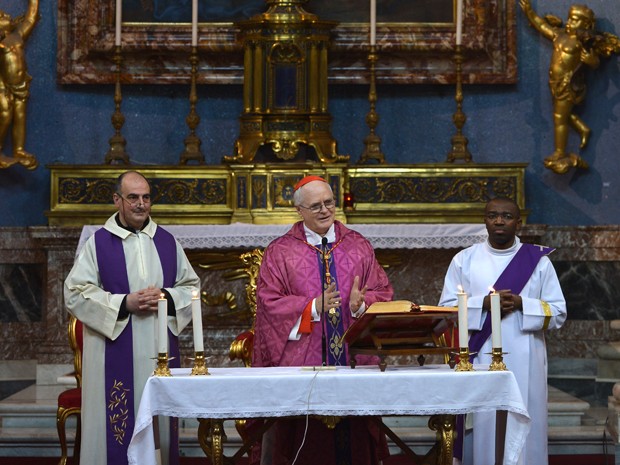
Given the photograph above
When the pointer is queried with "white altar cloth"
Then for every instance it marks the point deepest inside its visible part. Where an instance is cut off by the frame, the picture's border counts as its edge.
(230, 393)
(381, 236)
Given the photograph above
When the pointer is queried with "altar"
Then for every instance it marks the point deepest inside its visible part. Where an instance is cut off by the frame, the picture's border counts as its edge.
(235, 393)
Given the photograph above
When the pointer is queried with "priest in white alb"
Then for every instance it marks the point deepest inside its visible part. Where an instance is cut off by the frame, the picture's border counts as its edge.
(531, 301)
(113, 289)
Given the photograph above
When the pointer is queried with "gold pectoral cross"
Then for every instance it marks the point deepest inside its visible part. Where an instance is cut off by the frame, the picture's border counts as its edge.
(328, 276)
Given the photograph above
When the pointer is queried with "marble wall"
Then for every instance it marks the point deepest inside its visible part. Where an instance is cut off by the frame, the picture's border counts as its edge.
(35, 260)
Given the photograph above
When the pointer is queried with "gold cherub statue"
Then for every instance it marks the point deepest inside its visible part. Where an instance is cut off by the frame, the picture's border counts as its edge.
(15, 84)
(575, 44)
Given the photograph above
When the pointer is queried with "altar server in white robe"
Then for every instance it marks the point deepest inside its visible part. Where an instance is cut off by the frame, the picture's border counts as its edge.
(531, 303)
(113, 289)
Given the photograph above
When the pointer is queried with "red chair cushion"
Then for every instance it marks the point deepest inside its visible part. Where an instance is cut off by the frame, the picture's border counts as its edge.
(71, 398)
(79, 335)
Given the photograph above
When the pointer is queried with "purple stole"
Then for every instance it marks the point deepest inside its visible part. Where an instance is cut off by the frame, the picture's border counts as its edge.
(119, 382)
(514, 277)
(334, 328)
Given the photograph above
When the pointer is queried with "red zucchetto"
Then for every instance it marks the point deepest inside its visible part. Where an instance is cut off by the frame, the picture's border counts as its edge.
(308, 179)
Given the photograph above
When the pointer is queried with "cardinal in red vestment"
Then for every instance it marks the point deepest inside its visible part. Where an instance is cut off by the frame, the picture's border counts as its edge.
(314, 282)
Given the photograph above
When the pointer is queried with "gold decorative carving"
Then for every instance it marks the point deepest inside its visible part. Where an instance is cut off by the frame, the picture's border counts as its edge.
(285, 87)
(211, 437)
(15, 84)
(261, 193)
(431, 193)
(574, 45)
(444, 426)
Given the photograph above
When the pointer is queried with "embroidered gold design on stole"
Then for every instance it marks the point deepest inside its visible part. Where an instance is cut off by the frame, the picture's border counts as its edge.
(119, 413)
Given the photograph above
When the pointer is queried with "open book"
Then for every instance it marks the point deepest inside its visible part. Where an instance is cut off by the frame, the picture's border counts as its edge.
(405, 306)
(400, 327)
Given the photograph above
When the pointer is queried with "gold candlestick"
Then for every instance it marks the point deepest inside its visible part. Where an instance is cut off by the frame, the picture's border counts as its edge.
(464, 363)
(497, 360)
(117, 142)
(162, 368)
(372, 151)
(200, 367)
(459, 141)
(192, 141)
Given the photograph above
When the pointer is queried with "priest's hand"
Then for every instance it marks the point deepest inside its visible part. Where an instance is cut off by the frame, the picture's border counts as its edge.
(509, 302)
(144, 300)
(356, 299)
(330, 298)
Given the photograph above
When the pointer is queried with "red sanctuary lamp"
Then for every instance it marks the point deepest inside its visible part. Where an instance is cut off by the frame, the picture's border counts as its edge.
(348, 203)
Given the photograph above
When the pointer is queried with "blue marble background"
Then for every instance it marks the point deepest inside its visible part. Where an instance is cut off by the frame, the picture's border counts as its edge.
(506, 123)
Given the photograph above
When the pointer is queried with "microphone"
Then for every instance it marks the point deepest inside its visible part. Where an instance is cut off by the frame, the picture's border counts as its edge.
(323, 322)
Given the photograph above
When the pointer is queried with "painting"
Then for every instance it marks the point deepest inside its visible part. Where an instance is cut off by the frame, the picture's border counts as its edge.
(415, 41)
(343, 11)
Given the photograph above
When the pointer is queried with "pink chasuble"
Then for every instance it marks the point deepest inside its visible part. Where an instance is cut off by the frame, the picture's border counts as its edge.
(289, 278)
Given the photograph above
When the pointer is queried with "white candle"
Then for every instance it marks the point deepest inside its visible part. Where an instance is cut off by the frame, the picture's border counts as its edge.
(463, 330)
(373, 22)
(197, 322)
(117, 30)
(459, 21)
(496, 321)
(162, 324)
(194, 23)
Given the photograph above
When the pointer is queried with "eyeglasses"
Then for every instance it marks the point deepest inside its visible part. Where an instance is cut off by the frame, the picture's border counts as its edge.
(134, 199)
(492, 216)
(317, 207)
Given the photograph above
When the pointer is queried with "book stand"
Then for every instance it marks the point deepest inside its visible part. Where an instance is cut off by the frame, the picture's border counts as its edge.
(413, 333)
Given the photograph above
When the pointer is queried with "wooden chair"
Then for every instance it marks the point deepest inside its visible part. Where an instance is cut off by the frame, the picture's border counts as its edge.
(70, 401)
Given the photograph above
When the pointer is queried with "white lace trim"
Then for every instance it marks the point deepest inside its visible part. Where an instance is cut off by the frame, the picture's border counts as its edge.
(381, 236)
(235, 414)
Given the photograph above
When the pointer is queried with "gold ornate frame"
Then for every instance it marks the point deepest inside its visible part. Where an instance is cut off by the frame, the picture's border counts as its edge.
(409, 53)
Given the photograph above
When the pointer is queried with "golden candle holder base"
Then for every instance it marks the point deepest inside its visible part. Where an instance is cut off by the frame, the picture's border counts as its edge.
(497, 360)
(162, 368)
(200, 367)
(464, 363)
